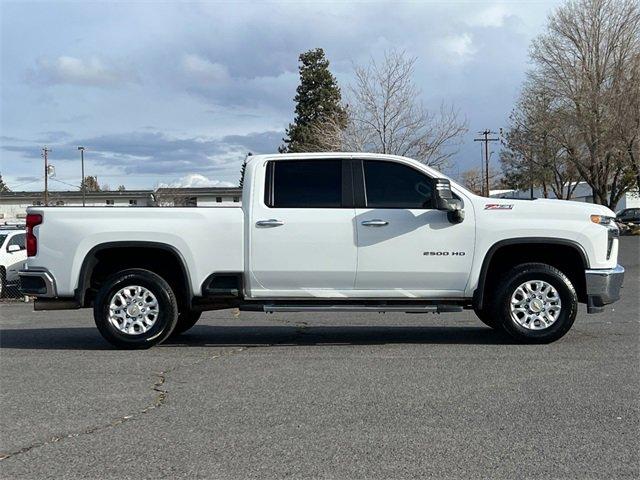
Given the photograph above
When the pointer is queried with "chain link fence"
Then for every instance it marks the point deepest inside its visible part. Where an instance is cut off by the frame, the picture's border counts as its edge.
(10, 291)
(13, 256)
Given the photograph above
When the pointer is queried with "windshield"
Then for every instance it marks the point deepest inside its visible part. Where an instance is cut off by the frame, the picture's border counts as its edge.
(3, 237)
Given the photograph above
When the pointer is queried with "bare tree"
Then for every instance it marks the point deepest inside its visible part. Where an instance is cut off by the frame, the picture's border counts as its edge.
(91, 184)
(385, 115)
(472, 179)
(626, 123)
(583, 60)
(539, 148)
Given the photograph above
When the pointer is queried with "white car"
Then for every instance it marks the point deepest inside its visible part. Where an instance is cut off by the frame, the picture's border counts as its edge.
(13, 257)
(328, 232)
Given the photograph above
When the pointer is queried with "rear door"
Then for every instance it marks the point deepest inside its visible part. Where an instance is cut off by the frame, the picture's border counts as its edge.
(302, 235)
(407, 248)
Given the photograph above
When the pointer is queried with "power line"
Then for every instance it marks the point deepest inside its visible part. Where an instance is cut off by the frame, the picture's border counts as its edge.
(69, 184)
(13, 187)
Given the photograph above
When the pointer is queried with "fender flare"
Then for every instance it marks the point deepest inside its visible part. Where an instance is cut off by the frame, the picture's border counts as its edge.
(478, 294)
(90, 260)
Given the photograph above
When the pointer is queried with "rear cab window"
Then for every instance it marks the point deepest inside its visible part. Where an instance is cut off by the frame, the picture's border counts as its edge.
(304, 184)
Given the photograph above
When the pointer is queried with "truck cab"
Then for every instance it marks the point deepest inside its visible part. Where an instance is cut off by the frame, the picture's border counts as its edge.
(328, 232)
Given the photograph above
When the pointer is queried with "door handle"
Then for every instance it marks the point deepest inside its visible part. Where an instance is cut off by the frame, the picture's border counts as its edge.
(375, 223)
(272, 222)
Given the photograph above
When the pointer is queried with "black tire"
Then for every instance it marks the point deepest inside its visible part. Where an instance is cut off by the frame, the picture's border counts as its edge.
(186, 320)
(488, 319)
(164, 322)
(3, 283)
(501, 304)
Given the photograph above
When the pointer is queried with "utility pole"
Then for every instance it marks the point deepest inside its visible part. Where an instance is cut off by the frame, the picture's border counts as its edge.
(45, 152)
(486, 141)
(481, 171)
(82, 184)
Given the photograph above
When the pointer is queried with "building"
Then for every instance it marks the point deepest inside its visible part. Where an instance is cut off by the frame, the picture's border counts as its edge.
(13, 205)
(582, 193)
(198, 197)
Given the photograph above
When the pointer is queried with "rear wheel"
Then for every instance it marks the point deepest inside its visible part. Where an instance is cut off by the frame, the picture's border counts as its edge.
(135, 309)
(535, 303)
(186, 320)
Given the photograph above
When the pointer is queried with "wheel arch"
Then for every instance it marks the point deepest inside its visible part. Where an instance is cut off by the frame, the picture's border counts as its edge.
(509, 246)
(94, 255)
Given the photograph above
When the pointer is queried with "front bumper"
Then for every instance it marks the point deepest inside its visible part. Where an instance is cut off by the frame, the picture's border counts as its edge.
(603, 287)
(38, 283)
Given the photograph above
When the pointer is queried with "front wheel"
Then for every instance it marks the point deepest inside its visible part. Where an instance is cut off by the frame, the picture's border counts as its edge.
(535, 303)
(135, 309)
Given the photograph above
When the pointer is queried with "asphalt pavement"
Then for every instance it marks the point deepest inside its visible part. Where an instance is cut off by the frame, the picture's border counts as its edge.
(323, 396)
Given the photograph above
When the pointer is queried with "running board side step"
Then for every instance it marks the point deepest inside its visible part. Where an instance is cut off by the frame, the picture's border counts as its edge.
(364, 308)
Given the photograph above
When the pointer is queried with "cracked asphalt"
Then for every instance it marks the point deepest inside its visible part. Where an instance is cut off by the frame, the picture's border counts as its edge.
(323, 396)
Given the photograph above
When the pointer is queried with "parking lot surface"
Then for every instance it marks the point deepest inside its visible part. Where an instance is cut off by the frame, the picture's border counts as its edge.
(323, 395)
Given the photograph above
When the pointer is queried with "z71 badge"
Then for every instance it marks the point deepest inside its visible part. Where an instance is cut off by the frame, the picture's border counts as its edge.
(498, 206)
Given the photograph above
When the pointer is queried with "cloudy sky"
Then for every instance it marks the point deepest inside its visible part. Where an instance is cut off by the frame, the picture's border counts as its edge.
(177, 93)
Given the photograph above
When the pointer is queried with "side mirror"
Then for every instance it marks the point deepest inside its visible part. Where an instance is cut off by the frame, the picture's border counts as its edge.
(13, 248)
(446, 202)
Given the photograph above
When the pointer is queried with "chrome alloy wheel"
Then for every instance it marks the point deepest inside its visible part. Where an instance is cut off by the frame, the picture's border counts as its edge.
(535, 305)
(133, 310)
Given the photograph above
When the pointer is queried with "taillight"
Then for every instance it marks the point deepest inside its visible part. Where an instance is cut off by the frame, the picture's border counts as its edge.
(33, 219)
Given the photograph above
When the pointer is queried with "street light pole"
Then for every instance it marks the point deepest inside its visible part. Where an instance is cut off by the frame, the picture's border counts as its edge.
(82, 184)
(45, 152)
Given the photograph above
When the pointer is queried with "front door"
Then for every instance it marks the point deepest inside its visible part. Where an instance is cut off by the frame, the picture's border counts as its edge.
(302, 234)
(406, 248)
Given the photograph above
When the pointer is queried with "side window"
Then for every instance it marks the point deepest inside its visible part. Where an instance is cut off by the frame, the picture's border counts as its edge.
(18, 240)
(393, 185)
(304, 184)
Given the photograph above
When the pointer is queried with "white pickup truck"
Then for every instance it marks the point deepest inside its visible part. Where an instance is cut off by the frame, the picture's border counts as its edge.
(327, 232)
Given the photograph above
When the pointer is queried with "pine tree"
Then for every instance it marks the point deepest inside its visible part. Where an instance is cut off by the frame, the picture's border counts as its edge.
(317, 100)
(243, 169)
(3, 186)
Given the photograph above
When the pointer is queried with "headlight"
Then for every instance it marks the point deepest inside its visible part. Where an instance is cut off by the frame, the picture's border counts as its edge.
(602, 219)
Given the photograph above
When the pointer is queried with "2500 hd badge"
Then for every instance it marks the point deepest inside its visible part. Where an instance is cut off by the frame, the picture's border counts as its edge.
(444, 254)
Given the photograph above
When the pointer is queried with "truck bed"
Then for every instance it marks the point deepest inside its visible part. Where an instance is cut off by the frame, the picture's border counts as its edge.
(208, 239)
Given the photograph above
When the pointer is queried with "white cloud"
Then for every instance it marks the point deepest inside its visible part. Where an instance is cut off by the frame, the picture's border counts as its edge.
(493, 16)
(194, 180)
(76, 71)
(458, 48)
(204, 70)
